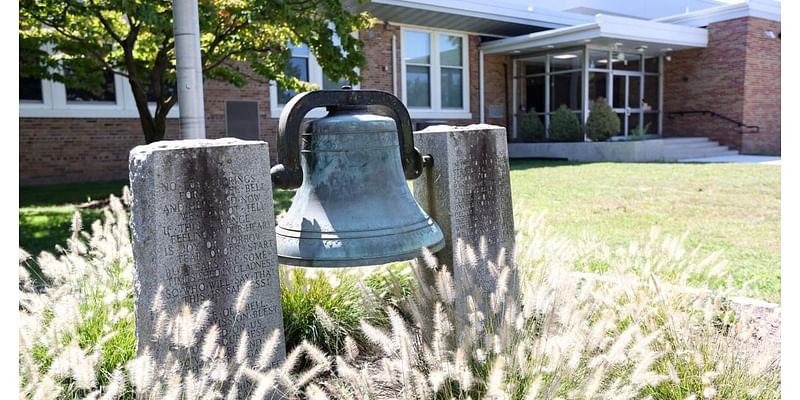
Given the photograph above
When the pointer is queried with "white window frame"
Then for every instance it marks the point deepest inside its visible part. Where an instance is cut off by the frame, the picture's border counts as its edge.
(55, 105)
(436, 110)
(315, 76)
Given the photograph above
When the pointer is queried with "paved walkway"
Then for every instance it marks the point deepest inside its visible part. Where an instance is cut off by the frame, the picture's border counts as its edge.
(771, 160)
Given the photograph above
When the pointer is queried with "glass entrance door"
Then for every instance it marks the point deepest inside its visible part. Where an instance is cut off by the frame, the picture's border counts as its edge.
(626, 100)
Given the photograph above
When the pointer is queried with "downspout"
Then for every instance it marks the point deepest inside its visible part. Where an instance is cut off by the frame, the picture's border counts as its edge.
(394, 61)
(189, 69)
(480, 88)
(510, 132)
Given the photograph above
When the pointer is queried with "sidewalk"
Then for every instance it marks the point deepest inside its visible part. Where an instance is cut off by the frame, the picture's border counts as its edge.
(769, 160)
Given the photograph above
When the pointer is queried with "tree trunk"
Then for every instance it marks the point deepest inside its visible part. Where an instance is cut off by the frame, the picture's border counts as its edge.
(153, 128)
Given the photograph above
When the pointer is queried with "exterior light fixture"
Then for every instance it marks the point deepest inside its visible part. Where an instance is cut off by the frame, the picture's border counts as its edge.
(564, 56)
(641, 48)
(770, 34)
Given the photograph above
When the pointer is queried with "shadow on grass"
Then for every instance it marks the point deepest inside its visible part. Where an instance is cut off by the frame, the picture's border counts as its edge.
(41, 229)
(522, 164)
(71, 193)
(45, 213)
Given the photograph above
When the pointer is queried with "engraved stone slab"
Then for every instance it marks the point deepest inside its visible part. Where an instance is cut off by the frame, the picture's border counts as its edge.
(468, 193)
(203, 226)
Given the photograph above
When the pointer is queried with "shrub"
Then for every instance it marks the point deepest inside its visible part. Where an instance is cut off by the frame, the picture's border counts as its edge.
(603, 122)
(564, 125)
(531, 127)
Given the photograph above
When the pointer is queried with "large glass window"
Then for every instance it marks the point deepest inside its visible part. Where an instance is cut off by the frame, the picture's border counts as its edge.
(628, 81)
(565, 89)
(598, 85)
(626, 61)
(297, 68)
(327, 82)
(566, 61)
(534, 65)
(107, 94)
(30, 90)
(543, 84)
(450, 56)
(651, 65)
(417, 49)
(533, 91)
(650, 101)
(598, 59)
(435, 70)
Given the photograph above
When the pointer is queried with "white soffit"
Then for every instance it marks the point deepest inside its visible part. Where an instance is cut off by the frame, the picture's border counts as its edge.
(604, 31)
(766, 9)
(498, 11)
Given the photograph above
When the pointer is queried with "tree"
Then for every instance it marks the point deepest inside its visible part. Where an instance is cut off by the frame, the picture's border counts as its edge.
(79, 42)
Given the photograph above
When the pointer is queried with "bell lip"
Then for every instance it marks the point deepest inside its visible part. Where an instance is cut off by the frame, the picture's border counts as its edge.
(361, 262)
(359, 234)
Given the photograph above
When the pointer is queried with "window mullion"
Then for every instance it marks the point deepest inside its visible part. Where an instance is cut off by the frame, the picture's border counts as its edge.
(436, 74)
(465, 73)
(59, 95)
(314, 70)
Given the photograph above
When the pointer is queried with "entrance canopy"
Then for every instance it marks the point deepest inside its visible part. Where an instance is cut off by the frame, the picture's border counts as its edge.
(606, 32)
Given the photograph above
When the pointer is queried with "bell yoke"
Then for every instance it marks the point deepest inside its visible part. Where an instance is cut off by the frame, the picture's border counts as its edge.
(353, 206)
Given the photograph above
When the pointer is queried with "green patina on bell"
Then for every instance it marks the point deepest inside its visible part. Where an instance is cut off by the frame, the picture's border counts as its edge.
(353, 207)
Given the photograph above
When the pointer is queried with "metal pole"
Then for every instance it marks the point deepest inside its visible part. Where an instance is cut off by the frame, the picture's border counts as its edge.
(189, 69)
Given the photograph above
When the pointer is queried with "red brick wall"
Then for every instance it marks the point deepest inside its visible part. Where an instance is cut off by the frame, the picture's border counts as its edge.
(497, 88)
(728, 77)
(54, 150)
(762, 89)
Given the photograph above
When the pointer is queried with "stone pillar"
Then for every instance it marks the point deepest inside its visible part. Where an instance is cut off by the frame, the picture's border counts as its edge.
(468, 193)
(203, 229)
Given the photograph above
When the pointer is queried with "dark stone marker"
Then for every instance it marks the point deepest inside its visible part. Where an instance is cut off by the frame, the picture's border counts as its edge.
(203, 226)
(468, 193)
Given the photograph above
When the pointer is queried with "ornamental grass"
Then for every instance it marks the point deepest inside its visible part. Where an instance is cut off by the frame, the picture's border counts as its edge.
(545, 331)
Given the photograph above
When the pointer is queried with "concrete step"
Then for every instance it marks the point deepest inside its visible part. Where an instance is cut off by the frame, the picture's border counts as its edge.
(679, 155)
(691, 144)
(694, 146)
(686, 140)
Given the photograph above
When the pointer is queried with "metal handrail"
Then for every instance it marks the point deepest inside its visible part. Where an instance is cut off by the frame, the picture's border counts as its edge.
(739, 124)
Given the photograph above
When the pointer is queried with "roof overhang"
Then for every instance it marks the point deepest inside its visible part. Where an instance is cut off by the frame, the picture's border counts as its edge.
(492, 19)
(612, 32)
(766, 9)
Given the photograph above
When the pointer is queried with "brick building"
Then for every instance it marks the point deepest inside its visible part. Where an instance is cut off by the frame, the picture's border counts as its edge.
(673, 68)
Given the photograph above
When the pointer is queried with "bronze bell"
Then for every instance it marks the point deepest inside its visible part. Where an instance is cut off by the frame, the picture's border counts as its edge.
(353, 207)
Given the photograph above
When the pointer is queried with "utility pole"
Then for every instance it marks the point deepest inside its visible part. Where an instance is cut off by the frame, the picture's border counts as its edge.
(189, 67)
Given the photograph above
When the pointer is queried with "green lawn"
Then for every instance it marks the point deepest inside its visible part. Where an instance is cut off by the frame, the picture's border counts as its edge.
(734, 208)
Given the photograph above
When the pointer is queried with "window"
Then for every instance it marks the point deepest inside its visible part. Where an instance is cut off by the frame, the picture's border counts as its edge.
(297, 68)
(30, 90)
(49, 99)
(106, 95)
(435, 74)
(304, 66)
